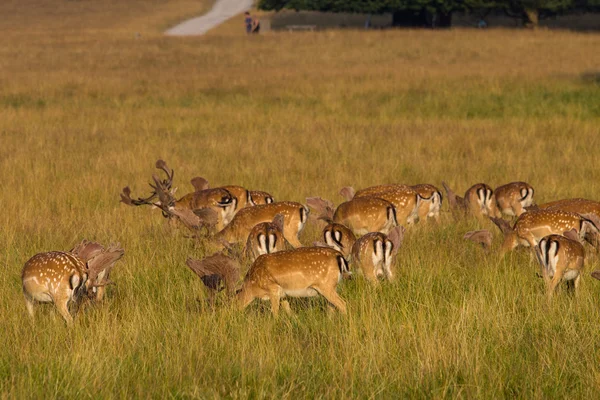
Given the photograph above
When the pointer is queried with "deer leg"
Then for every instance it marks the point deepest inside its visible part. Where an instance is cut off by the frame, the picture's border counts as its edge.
(244, 299)
(553, 284)
(62, 305)
(334, 298)
(293, 239)
(286, 307)
(275, 298)
(29, 304)
(576, 283)
(518, 209)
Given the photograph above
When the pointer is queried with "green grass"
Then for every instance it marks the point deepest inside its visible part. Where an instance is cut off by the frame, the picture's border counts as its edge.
(85, 112)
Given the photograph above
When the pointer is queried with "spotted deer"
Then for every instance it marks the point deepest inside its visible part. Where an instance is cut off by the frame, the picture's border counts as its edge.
(61, 277)
(303, 272)
(219, 200)
(339, 237)
(295, 216)
(479, 201)
(260, 198)
(513, 198)
(243, 197)
(361, 215)
(265, 238)
(578, 205)
(430, 203)
(406, 201)
(561, 258)
(532, 226)
(374, 254)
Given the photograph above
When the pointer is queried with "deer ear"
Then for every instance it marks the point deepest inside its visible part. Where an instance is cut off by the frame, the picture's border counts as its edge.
(396, 236)
(278, 221)
(199, 183)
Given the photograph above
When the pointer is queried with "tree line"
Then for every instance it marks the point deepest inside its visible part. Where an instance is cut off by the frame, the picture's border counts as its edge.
(438, 13)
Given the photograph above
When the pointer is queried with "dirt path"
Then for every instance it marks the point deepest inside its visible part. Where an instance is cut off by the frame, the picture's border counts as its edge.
(221, 12)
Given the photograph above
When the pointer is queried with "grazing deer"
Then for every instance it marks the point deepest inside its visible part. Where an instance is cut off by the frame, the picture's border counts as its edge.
(62, 277)
(243, 197)
(532, 226)
(479, 201)
(339, 237)
(430, 203)
(578, 205)
(406, 201)
(375, 253)
(361, 215)
(513, 198)
(219, 200)
(260, 198)
(100, 261)
(303, 272)
(217, 272)
(295, 217)
(265, 238)
(561, 258)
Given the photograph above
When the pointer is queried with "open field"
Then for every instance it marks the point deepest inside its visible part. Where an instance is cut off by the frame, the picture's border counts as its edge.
(87, 106)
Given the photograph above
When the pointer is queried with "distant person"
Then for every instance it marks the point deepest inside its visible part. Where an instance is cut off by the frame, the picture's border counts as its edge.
(255, 25)
(249, 22)
(482, 24)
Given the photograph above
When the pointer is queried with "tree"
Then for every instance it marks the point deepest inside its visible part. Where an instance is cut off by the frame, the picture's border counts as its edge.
(405, 12)
(530, 11)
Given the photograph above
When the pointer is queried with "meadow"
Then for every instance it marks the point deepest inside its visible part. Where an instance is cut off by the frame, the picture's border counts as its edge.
(92, 94)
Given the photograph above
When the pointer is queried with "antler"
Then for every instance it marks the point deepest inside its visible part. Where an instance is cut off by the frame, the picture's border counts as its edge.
(104, 262)
(455, 202)
(161, 189)
(324, 208)
(347, 192)
(483, 237)
(199, 183)
(504, 226)
(161, 164)
(215, 269)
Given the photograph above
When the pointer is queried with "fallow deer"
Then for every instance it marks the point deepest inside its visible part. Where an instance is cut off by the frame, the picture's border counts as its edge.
(63, 277)
(513, 198)
(265, 238)
(578, 205)
(430, 203)
(374, 254)
(361, 215)
(532, 226)
(339, 237)
(260, 198)
(295, 217)
(406, 201)
(219, 200)
(561, 258)
(303, 272)
(479, 201)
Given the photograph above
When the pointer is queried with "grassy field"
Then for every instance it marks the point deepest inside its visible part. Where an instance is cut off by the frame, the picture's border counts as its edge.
(87, 106)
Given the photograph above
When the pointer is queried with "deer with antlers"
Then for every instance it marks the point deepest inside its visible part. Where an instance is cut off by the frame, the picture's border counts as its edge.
(561, 258)
(513, 198)
(303, 272)
(66, 277)
(479, 201)
(374, 254)
(361, 215)
(406, 201)
(532, 226)
(242, 197)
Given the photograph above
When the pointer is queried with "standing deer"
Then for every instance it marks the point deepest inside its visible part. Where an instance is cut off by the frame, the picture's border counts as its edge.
(218, 200)
(361, 215)
(532, 226)
(561, 258)
(375, 253)
(430, 203)
(479, 201)
(339, 237)
(303, 272)
(295, 217)
(578, 205)
(406, 201)
(244, 197)
(265, 238)
(63, 277)
(513, 198)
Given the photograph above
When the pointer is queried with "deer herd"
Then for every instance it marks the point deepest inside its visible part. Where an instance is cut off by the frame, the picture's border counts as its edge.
(251, 232)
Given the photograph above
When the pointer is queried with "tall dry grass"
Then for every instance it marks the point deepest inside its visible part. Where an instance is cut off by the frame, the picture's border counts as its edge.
(86, 107)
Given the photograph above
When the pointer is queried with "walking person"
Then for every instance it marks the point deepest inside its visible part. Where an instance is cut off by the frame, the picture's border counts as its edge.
(249, 22)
